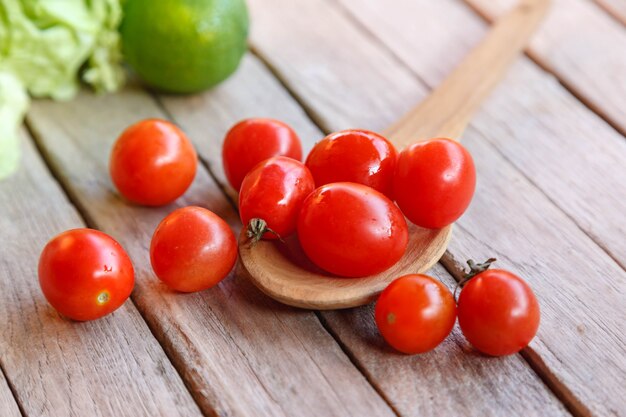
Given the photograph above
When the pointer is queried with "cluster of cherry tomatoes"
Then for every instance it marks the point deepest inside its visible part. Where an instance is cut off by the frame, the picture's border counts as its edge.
(340, 202)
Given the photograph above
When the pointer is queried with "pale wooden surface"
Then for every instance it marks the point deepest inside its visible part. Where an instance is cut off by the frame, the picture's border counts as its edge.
(411, 391)
(450, 106)
(288, 277)
(239, 352)
(593, 193)
(531, 228)
(466, 383)
(617, 8)
(556, 220)
(584, 47)
(7, 402)
(58, 367)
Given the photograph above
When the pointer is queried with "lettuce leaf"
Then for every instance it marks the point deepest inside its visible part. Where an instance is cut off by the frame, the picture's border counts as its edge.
(45, 46)
(13, 105)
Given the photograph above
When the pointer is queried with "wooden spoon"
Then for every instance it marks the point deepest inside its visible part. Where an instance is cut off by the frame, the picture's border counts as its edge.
(282, 271)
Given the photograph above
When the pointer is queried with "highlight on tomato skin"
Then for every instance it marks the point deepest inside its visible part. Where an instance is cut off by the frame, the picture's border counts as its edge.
(273, 191)
(351, 230)
(354, 155)
(152, 163)
(415, 313)
(192, 249)
(498, 312)
(434, 182)
(85, 274)
(254, 140)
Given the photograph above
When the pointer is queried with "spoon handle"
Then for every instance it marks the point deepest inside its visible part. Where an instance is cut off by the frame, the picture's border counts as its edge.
(446, 112)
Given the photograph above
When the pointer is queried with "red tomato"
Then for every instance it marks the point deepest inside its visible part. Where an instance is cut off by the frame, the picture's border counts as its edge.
(153, 163)
(498, 312)
(192, 249)
(254, 140)
(351, 230)
(415, 313)
(354, 156)
(434, 182)
(85, 274)
(274, 192)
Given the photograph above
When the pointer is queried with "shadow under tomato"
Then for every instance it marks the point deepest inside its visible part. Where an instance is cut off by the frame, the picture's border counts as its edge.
(291, 249)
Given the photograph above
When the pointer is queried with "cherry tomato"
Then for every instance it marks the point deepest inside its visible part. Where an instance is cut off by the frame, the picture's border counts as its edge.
(351, 230)
(274, 192)
(354, 156)
(254, 140)
(498, 312)
(192, 249)
(415, 313)
(85, 274)
(152, 163)
(434, 182)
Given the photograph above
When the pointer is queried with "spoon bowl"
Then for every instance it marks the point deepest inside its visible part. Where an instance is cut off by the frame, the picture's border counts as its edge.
(310, 287)
(282, 271)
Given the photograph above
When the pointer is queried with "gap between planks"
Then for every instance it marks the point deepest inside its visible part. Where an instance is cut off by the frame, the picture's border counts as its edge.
(192, 115)
(90, 223)
(162, 392)
(532, 56)
(286, 82)
(576, 407)
(357, 23)
(8, 398)
(214, 338)
(571, 87)
(614, 8)
(451, 265)
(227, 192)
(230, 195)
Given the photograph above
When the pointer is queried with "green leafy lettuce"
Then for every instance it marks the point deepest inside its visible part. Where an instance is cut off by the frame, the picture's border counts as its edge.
(46, 48)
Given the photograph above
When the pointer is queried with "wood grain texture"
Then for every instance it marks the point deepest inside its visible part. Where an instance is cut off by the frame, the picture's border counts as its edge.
(239, 353)
(413, 385)
(512, 218)
(617, 8)
(112, 366)
(584, 48)
(530, 120)
(445, 112)
(582, 334)
(450, 106)
(442, 379)
(8, 406)
(251, 92)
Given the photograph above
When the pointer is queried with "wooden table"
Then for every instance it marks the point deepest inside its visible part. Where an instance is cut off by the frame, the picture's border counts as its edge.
(551, 157)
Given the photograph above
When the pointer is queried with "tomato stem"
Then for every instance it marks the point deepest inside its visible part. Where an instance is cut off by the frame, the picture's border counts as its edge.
(474, 270)
(257, 228)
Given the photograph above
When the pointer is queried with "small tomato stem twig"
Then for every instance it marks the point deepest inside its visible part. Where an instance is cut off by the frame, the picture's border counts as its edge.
(474, 270)
(257, 228)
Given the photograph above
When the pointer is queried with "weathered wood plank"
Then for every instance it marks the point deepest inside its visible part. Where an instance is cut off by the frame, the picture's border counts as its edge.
(419, 385)
(583, 323)
(240, 353)
(615, 7)
(58, 367)
(446, 381)
(8, 406)
(530, 106)
(584, 48)
(252, 92)
(582, 335)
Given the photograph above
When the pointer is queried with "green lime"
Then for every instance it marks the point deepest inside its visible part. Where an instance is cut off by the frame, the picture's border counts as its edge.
(183, 46)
